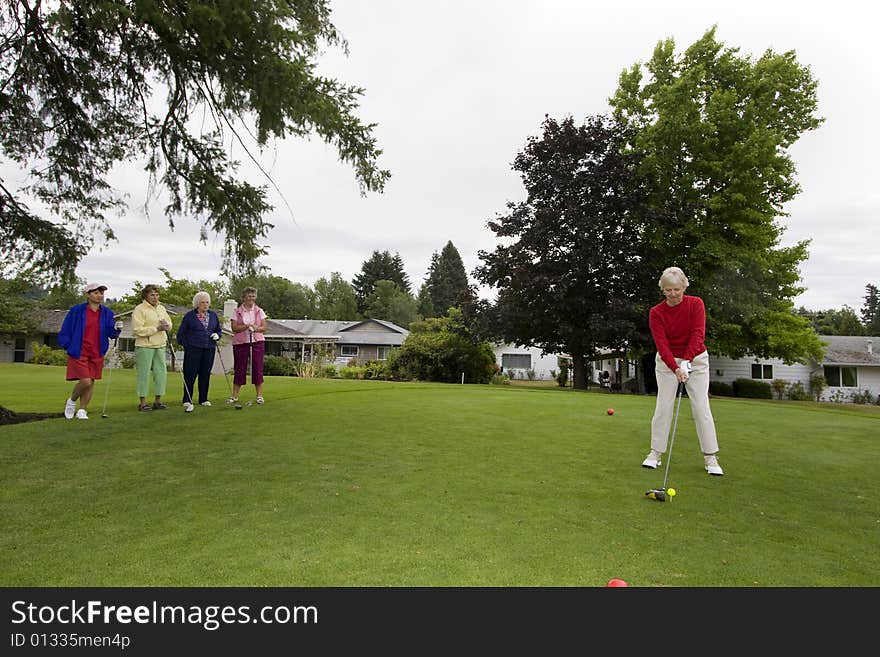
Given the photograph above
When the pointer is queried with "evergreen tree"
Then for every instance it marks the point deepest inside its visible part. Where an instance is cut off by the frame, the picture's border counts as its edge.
(870, 313)
(446, 282)
(381, 266)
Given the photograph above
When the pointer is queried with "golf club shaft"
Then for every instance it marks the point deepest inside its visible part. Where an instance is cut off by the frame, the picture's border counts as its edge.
(672, 437)
(223, 365)
(109, 372)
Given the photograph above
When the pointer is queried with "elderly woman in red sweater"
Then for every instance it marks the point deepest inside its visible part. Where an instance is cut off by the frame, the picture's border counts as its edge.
(678, 326)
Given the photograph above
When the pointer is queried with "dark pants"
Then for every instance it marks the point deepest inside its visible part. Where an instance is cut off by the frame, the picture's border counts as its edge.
(240, 355)
(197, 362)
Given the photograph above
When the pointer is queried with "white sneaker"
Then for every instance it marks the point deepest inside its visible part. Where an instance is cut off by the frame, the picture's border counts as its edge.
(712, 466)
(652, 460)
(260, 400)
(188, 408)
(205, 403)
(82, 415)
(69, 409)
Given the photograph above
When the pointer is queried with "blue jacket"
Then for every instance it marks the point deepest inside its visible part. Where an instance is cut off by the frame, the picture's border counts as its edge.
(70, 338)
(192, 333)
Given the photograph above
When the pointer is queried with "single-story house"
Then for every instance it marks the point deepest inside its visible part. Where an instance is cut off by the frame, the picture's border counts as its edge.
(851, 364)
(362, 340)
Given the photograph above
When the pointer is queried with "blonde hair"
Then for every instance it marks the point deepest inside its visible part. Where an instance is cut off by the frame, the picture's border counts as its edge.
(673, 276)
(199, 297)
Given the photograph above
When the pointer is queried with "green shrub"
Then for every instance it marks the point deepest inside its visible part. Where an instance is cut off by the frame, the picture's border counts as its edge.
(329, 371)
(752, 389)
(127, 360)
(500, 380)
(797, 392)
(562, 377)
(377, 369)
(45, 355)
(349, 372)
(862, 397)
(818, 384)
(779, 386)
(443, 349)
(278, 366)
(720, 389)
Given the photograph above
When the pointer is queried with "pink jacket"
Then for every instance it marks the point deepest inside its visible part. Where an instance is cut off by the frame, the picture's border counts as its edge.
(255, 317)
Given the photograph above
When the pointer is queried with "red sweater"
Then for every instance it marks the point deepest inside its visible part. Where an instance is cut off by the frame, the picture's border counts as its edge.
(679, 331)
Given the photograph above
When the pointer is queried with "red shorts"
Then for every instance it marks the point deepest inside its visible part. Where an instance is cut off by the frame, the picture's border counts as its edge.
(84, 368)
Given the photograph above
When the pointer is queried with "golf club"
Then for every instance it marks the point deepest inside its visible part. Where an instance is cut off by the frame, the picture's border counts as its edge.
(659, 494)
(109, 372)
(237, 406)
(185, 387)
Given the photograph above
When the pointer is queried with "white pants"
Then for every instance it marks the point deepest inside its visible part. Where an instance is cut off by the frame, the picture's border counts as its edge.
(698, 394)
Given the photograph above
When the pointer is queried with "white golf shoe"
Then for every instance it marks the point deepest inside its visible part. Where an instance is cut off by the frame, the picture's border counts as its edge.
(188, 408)
(82, 415)
(69, 409)
(652, 460)
(205, 403)
(712, 466)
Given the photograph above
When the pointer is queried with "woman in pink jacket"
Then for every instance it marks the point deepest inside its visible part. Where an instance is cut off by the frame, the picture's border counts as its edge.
(248, 343)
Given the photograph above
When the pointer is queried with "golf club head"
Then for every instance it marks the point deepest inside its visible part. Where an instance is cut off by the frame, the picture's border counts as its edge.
(656, 494)
(103, 415)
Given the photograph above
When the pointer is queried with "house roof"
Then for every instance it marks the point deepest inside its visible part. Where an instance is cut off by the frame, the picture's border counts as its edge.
(851, 350)
(367, 331)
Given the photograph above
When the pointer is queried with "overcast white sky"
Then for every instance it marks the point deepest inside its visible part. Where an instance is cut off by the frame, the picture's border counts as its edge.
(456, 88)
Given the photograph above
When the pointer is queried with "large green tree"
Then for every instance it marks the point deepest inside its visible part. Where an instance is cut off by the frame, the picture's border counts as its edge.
(446, 284)
(279, 297)
(714, 130)
(381, 266)
(833, 321)
(335, 299)
(571, 272)
(79, 81)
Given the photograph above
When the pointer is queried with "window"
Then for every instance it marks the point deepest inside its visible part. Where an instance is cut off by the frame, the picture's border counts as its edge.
(516, 361)
(382, 353)
(760, 371)
(19, 351)
(350, 350)
(841, 377)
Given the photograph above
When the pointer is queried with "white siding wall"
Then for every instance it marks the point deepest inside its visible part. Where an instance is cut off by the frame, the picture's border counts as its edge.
(542, 364)
(727, 370)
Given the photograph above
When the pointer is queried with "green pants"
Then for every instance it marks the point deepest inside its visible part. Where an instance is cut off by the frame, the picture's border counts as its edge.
(150, 360)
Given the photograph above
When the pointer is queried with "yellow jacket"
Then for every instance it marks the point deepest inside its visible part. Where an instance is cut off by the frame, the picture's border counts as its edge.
(145, 325)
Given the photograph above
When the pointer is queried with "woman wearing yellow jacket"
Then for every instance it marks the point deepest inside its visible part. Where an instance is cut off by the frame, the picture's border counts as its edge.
(150, 324)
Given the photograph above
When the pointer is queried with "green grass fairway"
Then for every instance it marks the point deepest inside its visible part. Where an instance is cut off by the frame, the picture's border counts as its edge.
(361, 483)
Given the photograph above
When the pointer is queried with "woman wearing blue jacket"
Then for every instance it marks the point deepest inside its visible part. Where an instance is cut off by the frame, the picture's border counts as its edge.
(198, 334)
(85, 336)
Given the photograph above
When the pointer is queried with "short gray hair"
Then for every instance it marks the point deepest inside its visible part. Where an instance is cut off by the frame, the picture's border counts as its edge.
(673, 276)
(199, 297)
(248, 290)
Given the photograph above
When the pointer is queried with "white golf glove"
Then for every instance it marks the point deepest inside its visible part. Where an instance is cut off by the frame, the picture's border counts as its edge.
(251, 328)
(215, 337)
(685, 366)
(118, 325)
